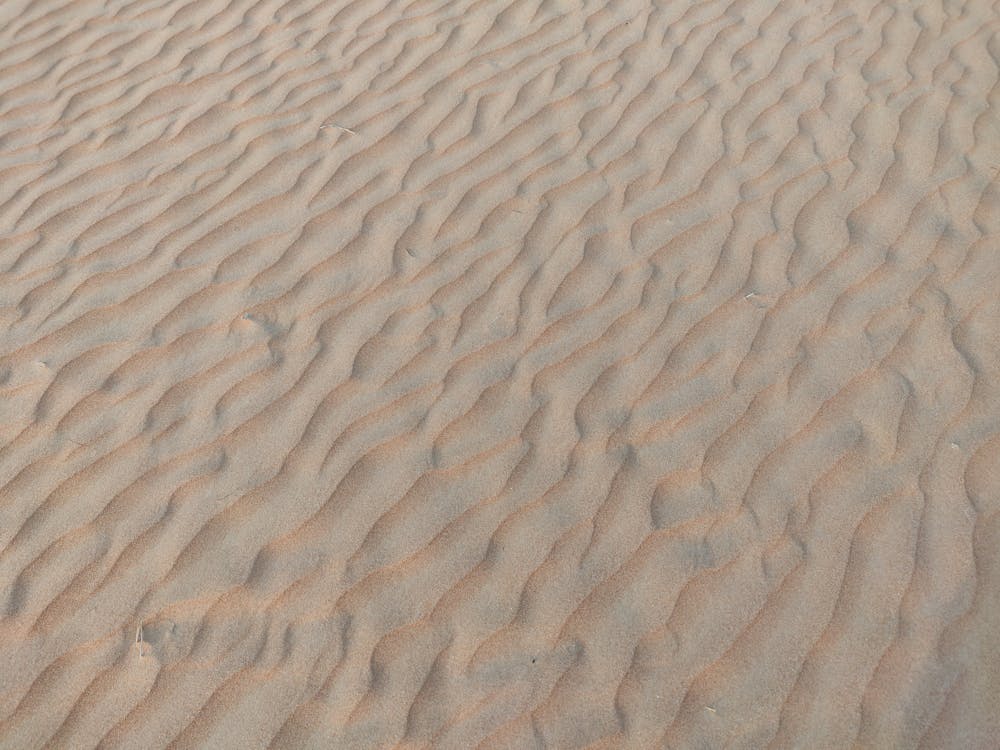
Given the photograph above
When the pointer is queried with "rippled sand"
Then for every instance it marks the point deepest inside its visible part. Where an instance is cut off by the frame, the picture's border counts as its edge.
(499, 374)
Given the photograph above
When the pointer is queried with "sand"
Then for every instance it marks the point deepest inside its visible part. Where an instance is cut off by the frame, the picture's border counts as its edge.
(499, 374)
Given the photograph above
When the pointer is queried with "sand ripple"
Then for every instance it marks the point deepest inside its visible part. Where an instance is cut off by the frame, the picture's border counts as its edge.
(500, 374)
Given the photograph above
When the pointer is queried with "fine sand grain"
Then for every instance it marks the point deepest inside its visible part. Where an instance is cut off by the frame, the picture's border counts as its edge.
(487, 374)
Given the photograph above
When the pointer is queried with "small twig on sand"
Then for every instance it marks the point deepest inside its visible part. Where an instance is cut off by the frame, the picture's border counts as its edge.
(138, 639)
(338, 127)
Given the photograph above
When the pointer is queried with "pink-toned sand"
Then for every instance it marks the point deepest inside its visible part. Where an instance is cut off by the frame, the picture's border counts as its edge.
(454, 374)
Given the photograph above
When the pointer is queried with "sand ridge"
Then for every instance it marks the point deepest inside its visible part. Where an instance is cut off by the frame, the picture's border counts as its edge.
(499, 374)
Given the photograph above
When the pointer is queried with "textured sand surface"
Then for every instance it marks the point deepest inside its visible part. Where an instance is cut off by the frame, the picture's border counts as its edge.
(499, 374)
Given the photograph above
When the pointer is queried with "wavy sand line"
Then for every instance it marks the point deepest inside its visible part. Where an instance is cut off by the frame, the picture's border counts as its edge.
(499, 373)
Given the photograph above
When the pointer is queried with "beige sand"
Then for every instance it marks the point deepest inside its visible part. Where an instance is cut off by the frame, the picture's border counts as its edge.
(499, 374)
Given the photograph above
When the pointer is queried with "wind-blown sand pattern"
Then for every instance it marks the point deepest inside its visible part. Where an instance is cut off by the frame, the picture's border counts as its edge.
(499, 374)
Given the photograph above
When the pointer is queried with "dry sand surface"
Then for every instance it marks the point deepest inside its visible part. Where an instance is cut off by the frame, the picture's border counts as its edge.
(499, 374)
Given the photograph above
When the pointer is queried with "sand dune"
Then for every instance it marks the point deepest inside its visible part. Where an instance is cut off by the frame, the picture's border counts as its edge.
(499, 374)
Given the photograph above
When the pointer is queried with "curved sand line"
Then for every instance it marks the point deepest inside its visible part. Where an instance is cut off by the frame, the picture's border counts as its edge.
(499, 374)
